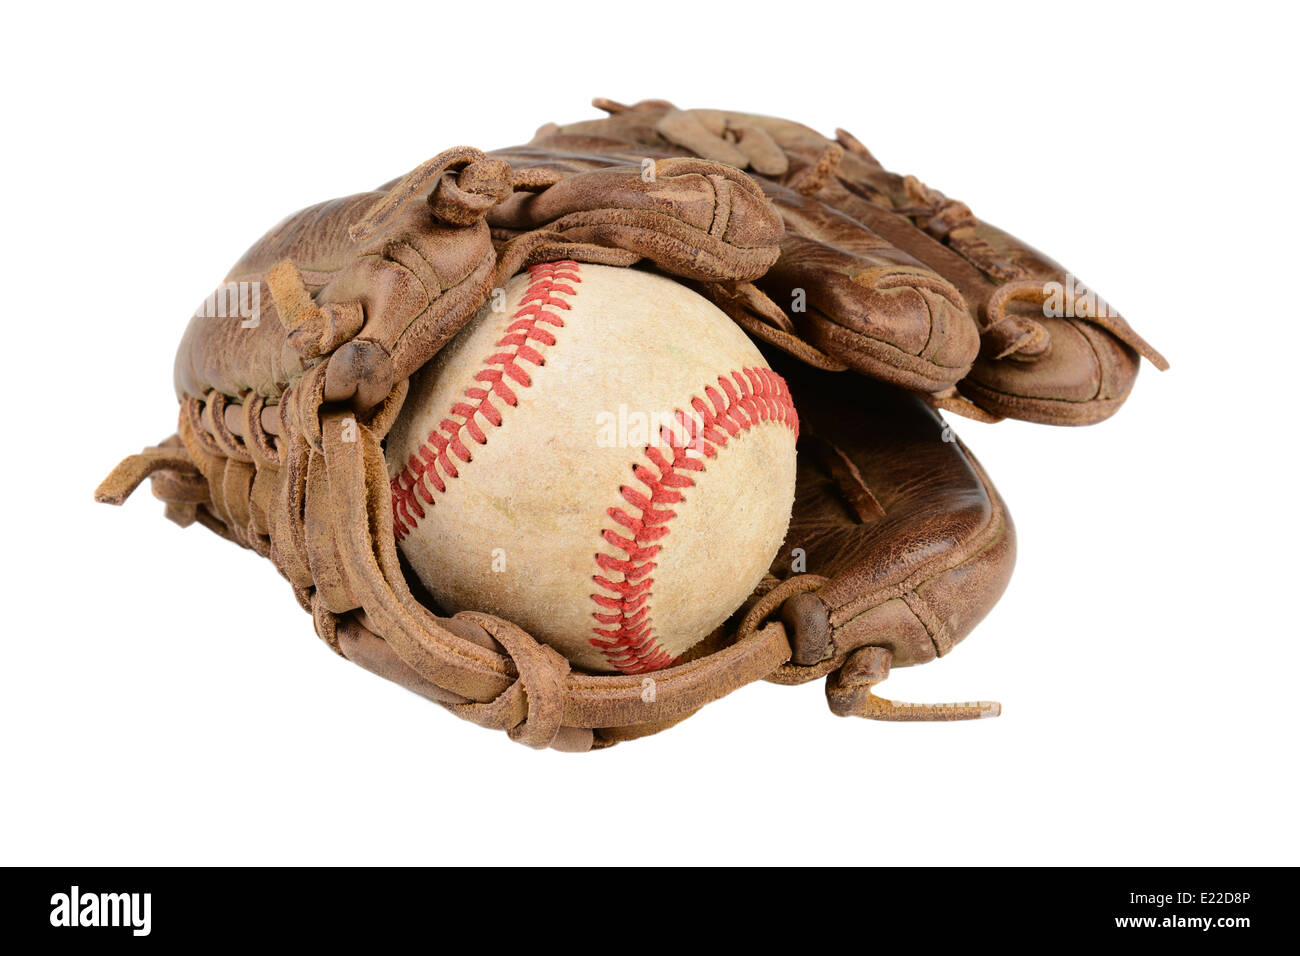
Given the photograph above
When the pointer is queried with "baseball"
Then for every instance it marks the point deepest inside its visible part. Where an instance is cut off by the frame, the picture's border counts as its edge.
(600, 456)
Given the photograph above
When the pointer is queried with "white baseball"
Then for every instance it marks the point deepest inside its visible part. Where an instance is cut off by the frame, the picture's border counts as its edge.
(607, 461)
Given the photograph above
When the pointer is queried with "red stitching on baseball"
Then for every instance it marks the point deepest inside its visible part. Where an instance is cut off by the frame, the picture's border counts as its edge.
(434, 460)
(742, 400)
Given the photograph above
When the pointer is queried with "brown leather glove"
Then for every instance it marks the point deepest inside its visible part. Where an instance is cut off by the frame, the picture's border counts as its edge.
(898, 543)
(882, 274)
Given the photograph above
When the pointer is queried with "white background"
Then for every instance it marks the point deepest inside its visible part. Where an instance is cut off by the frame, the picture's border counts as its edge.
(164, 700)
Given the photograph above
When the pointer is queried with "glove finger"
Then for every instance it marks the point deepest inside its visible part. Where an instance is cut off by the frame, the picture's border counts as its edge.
(692, 218)
(858, 298)
(1070, 368)
(1055, 356)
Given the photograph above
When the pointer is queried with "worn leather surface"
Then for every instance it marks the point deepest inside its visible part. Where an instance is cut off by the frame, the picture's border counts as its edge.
(903, 543)
(893, 510)
(902, 283)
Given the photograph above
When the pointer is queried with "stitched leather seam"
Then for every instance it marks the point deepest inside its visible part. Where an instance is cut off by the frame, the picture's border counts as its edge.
(742, 400)
(888, 348)
(596, 218)
(989, 536)
(503, 373)
(936, 629)
(401, 340)
(1034, 402)
(393, 250)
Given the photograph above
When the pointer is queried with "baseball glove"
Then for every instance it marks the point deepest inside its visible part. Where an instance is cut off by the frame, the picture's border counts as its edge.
(898, 544)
